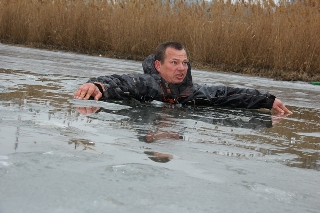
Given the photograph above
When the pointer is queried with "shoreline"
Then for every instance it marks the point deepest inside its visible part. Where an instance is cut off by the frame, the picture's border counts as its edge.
(280, 75)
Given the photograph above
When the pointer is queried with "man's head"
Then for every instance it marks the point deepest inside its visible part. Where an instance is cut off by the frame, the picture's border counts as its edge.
(171, 62)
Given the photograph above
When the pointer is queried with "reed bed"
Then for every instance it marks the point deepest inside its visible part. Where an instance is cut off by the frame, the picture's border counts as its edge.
(279, 41)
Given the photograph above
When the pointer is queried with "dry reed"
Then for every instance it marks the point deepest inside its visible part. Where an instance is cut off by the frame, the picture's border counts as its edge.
(279, 41)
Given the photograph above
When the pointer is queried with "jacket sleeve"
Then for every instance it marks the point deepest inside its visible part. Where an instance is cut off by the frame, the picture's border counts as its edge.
(138, 86)
(232, 97)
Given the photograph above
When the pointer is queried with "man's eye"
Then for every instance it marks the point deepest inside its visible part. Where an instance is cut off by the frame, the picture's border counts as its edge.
(185, 63)
(174, 62)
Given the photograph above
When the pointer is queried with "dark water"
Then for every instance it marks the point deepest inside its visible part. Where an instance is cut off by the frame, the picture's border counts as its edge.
(56, 151)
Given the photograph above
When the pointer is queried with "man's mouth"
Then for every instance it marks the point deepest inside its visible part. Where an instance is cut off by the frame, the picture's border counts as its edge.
(180, 76)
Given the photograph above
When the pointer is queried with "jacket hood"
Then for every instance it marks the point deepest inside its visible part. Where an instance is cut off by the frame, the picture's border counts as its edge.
(148, 65)
(148, 68)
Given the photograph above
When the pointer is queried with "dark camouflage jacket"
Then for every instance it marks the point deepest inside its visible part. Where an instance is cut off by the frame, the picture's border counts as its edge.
(150, 86)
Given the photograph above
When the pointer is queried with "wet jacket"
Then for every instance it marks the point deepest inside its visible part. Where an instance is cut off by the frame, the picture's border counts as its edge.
(151, 86)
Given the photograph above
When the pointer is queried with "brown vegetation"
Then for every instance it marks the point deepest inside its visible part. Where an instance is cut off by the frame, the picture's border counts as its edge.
(278, 41)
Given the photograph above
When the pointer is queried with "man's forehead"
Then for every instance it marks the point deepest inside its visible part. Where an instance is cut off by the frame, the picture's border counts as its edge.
(172, 53)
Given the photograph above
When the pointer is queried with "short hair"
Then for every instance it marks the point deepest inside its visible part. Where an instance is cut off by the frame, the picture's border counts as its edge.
(161, 49)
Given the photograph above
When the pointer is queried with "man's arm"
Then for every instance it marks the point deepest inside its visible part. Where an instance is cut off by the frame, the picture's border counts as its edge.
(142, 87)
(236, 97)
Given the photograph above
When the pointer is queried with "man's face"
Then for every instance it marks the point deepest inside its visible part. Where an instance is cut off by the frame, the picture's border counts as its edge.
(175, 66)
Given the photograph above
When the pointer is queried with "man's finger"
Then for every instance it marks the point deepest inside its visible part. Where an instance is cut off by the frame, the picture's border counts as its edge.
(87, 96)
(278, 109)
(283, 109)
(77, 93)
(81, 91)
(97, 95)
(90, 90)
(286, 110)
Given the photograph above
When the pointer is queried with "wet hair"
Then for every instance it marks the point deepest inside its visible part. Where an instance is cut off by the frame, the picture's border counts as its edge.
(161, 49)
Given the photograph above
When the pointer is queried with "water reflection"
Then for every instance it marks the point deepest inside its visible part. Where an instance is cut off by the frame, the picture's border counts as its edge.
(84, 143)
(158, 157)
(249, 129)
(168, 121)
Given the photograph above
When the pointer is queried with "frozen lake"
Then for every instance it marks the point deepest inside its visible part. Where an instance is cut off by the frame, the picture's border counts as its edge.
(131, 157)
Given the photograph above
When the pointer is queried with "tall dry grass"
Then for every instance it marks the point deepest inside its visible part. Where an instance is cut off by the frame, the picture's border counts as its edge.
(280, 41)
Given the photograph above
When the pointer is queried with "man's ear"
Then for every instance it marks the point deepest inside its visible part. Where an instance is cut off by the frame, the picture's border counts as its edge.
(157, 64)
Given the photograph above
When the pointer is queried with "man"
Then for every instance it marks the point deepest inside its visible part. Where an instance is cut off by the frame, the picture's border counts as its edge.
(167, 77)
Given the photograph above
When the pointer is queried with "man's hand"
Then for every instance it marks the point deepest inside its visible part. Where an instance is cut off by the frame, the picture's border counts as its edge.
(86, 91)
(280, 108)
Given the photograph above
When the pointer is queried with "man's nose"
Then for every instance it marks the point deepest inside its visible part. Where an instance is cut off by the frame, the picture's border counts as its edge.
(181, 66)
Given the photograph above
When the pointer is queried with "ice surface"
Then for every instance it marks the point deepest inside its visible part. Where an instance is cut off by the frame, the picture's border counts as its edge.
(54, 159)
